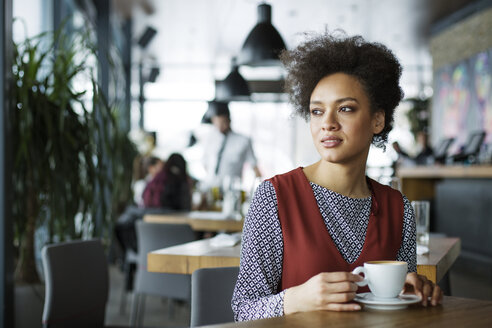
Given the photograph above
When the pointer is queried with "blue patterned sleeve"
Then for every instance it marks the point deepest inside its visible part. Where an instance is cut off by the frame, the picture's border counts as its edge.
(256, 293)
(408, 248)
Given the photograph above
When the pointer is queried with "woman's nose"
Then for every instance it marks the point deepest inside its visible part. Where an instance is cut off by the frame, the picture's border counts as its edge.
(330, 122)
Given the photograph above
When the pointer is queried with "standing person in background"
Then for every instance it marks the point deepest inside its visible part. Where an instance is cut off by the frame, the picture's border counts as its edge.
(307, 229)
(226, 151)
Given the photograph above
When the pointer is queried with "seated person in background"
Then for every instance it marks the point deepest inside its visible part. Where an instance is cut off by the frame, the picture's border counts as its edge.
(307, 229)
(171, 187)
(178, 185)
(425, 154)
(151, 165)
(396, 146)
(145, 171)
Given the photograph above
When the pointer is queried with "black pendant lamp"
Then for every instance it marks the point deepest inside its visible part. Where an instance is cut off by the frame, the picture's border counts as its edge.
(264, 43)
(234, 87)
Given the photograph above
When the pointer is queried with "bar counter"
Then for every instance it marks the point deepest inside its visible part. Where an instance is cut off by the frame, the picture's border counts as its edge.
(419, 182)
(461, 206)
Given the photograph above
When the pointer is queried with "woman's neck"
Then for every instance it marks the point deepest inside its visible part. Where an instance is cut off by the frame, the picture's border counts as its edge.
(349, 181)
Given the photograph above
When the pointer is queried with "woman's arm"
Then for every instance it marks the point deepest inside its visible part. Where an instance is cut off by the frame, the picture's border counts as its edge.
(331, 291)
(256, 293)
(408, 248)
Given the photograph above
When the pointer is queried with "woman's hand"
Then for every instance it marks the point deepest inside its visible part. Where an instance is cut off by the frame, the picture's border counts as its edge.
(325, 291)
(424, 288)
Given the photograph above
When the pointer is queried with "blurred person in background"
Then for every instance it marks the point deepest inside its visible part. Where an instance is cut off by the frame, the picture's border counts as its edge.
(225, 155)
(145, 169)
(171, 186)
(178, 184)
(149, 167)
(425, 154)
(226, 151)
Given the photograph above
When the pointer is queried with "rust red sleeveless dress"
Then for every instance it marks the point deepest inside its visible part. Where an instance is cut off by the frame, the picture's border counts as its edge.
(308, 246)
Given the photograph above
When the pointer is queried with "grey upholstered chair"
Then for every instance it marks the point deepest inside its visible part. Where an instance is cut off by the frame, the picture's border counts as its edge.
(77, 282)
(211, 294)
(150, 237)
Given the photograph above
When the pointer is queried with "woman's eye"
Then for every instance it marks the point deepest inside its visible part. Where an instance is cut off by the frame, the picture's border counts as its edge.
(315, 112)
(345, 109)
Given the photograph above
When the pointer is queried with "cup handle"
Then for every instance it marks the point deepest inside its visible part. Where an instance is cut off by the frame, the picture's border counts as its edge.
(358, 271)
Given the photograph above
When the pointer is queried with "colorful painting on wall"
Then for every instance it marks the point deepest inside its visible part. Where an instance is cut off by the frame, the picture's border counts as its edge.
(462, 102)
(483, 90)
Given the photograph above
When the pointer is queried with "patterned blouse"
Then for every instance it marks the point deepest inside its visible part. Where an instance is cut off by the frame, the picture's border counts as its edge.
(255, 295)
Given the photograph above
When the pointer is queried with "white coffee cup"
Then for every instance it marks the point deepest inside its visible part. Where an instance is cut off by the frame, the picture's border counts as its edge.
(385, 278)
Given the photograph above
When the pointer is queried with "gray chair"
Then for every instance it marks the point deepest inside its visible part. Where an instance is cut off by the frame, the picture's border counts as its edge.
(150, 237)
(130, 262)
(211, 294)
(77, 283)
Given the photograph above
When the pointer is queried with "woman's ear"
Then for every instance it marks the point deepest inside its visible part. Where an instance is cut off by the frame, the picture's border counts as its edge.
(378, 121)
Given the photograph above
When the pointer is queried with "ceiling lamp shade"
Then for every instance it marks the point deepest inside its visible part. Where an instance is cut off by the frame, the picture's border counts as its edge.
(264, 43)
(146, 37)
(233, 87)
(154, 72)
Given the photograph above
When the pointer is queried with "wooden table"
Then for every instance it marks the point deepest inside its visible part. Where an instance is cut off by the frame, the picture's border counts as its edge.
(454, 312)
(189, 257)
(199, 221)
(442, 254)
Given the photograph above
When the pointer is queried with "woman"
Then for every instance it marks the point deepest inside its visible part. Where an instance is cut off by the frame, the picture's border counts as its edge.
(150, 167)
(176, 194)
(171, 187)
(307, 229)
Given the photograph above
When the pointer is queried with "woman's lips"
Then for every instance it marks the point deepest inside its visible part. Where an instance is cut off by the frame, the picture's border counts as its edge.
(330, 141)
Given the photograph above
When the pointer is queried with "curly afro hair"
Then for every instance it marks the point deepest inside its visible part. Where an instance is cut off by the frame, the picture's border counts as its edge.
(373, 64)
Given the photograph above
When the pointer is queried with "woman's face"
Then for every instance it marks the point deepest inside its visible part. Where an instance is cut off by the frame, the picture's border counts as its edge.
(156, 168)
(342, 124)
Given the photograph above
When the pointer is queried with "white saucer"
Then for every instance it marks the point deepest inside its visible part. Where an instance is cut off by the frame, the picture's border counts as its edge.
(372, 302)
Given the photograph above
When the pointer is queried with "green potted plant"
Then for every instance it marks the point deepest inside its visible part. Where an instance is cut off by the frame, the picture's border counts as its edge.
(69, 151)
(418, 115)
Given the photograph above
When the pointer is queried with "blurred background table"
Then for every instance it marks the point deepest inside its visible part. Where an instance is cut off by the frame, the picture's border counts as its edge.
(189, 257)
(199, 221)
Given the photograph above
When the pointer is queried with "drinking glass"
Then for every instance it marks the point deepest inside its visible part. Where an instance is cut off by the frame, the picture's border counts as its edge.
(421, 209)
(232, 197)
